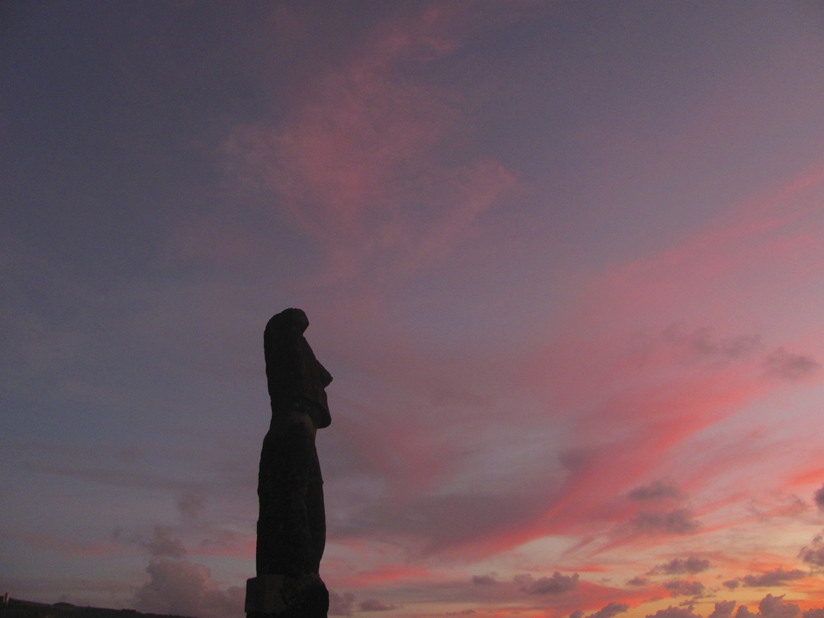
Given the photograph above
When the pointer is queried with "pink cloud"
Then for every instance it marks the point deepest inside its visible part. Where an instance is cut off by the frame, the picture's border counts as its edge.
(385, 574)
(359, 164)
(709, 275)
(637, 429)
(644, 406)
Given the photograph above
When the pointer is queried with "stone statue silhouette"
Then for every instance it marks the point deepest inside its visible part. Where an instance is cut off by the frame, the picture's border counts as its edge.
(291, 528)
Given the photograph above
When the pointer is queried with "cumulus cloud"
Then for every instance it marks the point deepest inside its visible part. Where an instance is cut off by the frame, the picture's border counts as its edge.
(181, 588)
(818, 497)
(557, 584)
(658, 489)
(772, 578)
(676, 521)
(673, 612)
(374, 605)
(774, 607)
(788, 366)
(163, 544)
(610, 610)
(484, 580)
(682, 587)
(679, 566)
(703, 343)
(723, 609)
(776, 577)
(190, 504)
(814, 554)
(605, 612)
(341, 604)
(638, 581)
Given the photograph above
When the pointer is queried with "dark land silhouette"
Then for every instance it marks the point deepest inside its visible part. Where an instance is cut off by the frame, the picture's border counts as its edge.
(15, 608)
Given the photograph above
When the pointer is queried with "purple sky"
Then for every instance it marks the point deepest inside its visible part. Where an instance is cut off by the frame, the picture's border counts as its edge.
(565, 261)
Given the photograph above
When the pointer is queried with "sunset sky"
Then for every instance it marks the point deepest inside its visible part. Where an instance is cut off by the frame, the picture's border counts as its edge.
(565, 261)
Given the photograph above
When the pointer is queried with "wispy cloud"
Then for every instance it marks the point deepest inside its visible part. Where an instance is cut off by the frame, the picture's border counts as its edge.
(767, 579)
(683, 587)
(789, 366)
(680, 566)
(656, 490)
(359, 164)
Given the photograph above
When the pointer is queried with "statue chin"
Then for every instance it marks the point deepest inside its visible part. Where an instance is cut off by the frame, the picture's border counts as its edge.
(321, 418)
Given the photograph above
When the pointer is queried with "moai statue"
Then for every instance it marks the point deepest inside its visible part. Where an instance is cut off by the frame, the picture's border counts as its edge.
(291, 528)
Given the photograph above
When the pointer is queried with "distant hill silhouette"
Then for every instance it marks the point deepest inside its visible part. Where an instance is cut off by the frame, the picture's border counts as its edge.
(29, 609)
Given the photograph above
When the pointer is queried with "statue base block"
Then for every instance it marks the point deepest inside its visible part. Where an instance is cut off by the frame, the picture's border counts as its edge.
(281, 596)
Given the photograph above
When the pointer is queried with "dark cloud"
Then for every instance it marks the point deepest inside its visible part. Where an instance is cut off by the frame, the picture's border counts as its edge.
(732, 584)
(181, 588)
(772, 578)
(557, 584)
(163, 544)
(674, 612)
(605, 612)
(190, 504)
(341, 604)
(814, 554)
(818, 497)
(682, 587)
(373, 605)
(638, 581)
(484, 580)
(788, 366)
(678, 566)
(774, 607)
(610, 610)
(656, 490)
(677, 521)
(702, 343)
(723, 609)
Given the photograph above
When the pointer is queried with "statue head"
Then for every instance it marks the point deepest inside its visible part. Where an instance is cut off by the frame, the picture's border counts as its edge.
(294, 375)
(291, 319)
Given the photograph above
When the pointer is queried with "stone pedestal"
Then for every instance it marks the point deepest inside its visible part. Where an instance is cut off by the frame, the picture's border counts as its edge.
(280, 596)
